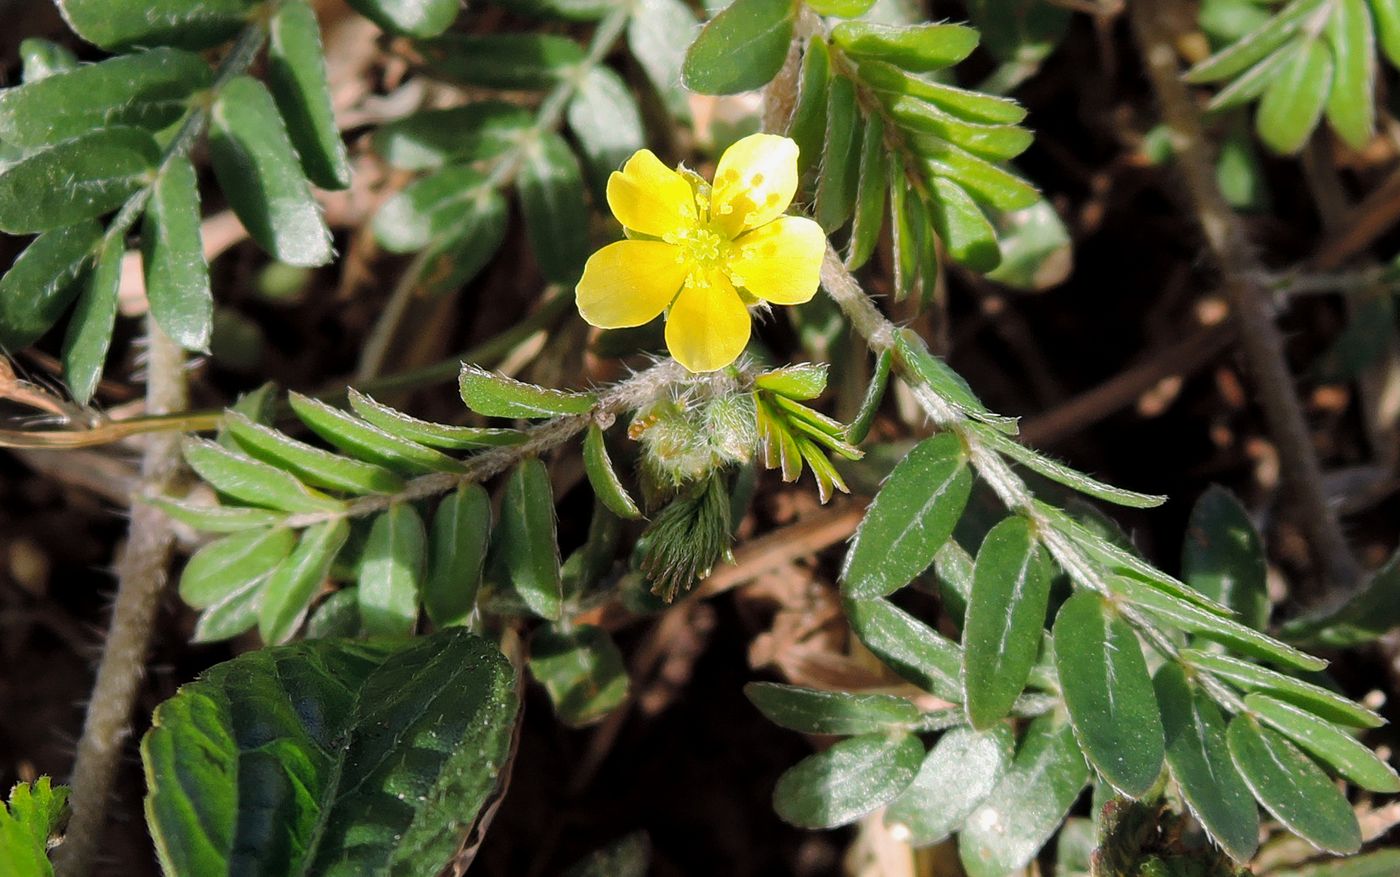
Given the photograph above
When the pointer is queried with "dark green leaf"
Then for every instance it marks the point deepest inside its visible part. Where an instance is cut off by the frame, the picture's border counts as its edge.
(354, 436)
(1011, 825)
(556, 214)
(455, 258)
(1256, 46)
(1120, 559)
(808, 126)
(1069, 477)
(907, 646)
(456, 554)
(292, 585)
(990, 142)
(870, 194)
(1200, 762)
(917, 48)
(177, 277)
(252, 482)
(954, 568)
(582, 670)
(603, 477)
(1192, 619)
(1223, 557)
(391, 572)
(77, 179)
(1313, 698)
(1351, 103)
(913, 356)
(311, 464)
(983, 181)
(429, 139)
(228, 564)
(120, 26)
(912, 515)
(959, 772)
(1331, 745)
(336, 617)
(1292, 787)
(437, 435)
(232, 616)
(1108, 693)
(1005, 617)
(962, 226)
(1036, 250)
(813, 711)
(840, 169)
(847, 781)
(506, 61)
(870, 404)
(1364, 618)
(907, 221)
(43, 281)
(740, 49)
(296, 75)
(890, 83)
(1075, 847)
(658, 35)
(146, 90)
(420, 18)
(435, 206)
(526, 542)
(41, 58)
(90, 328)
(217, 519)
(330, 757)
(496, 395)
(606, 123)
(592, 560)
(261, 176)
(1294, 99)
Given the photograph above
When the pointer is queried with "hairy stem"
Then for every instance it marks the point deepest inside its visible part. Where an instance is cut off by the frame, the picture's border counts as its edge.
(142, 568)
(1260, 340)
(141, 578)
(628, 395)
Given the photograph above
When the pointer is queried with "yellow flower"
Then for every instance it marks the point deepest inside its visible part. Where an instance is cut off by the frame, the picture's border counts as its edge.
(703, 253)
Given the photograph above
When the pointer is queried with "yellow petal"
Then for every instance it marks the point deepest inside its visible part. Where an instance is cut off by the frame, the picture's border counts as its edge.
(754, 182)
(780, 262)
(648, 197)
(628, 283)
(708, 326)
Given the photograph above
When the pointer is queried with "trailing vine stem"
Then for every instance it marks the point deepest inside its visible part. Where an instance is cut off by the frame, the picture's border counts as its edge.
(626, 395)
(879, 335)
(142, 573)
(1250, 301)
(503, 171)
(143, 567)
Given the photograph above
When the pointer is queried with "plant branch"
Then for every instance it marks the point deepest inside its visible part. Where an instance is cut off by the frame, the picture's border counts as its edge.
(1260, 340)
(142, 568)
(141, 578)
(627, 395)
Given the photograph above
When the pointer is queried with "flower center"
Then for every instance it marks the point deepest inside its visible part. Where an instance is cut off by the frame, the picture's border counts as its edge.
(704, 249)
